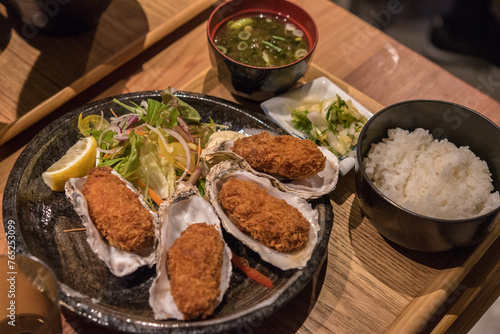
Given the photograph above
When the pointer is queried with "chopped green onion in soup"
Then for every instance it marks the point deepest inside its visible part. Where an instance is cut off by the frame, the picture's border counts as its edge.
(265, 56)
(244, 35)
(262, 41)
(278, 49)
(280, 38)
(242, 46)
(222, 49)
(300, 53)
(236, 25)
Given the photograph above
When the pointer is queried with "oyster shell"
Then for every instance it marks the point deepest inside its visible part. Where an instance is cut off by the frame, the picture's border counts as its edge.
(308, 188)
(222, 172)
(120, 262)
(183, 208)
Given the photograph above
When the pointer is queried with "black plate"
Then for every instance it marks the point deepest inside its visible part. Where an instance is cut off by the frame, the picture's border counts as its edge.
(88, 288)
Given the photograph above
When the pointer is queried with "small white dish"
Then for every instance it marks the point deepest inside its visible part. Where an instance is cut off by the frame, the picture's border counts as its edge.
(278, 110)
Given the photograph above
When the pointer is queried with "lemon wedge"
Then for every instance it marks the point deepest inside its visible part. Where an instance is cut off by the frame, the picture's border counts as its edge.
(77, 162)
(91, 122)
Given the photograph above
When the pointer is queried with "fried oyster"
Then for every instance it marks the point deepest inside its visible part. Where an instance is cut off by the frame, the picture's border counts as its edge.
(117, 212)
(194, 263)
(285, 155)
(194, 267)
(267, 219)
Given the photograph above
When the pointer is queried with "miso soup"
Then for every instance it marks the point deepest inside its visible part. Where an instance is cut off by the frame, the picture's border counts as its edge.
(262, 41)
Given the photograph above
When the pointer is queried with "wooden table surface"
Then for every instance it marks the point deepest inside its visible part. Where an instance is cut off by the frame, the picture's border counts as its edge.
(40, 73)
(366, 285)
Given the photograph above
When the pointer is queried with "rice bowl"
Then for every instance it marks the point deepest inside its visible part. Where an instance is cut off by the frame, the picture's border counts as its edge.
(431, 177)
(406, 227)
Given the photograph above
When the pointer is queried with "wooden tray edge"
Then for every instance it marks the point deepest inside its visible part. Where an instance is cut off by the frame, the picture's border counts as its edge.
(421, 309)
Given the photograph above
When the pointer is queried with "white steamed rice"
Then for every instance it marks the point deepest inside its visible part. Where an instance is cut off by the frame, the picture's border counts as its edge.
(431, 177)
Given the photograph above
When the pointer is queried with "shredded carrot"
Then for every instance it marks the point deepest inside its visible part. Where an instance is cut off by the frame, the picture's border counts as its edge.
(75, 229)
(158, 200)
(113, 112)
(139, 132)
(254, 274)
(182, 166)
(199, 152)
(105, 156)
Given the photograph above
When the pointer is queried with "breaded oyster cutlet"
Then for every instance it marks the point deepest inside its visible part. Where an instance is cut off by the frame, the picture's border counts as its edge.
(194, 266)
(286, 156)
(267, 219)
(117, 212)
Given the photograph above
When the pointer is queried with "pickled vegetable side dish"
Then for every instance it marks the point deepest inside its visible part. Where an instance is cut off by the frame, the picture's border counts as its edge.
(330, 122)
(262, 41)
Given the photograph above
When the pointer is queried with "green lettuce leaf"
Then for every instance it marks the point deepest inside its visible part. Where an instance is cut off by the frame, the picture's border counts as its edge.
(156, 172)
(188, 113)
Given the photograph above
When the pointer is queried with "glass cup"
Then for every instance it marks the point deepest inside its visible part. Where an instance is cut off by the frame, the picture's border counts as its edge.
(29, 301)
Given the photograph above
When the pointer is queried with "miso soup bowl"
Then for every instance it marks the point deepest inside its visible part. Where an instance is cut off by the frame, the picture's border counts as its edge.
(461, 126)
(259, 83)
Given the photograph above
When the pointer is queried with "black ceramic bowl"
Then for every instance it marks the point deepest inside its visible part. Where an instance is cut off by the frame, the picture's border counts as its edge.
(62, 17)
(461, 126)
(259, 83)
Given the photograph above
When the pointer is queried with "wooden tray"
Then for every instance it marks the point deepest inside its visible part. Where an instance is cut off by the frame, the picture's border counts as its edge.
(370, 285)
(40, 73)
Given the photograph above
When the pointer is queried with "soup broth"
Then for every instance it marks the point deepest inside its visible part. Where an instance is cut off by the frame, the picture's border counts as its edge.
(262, 41)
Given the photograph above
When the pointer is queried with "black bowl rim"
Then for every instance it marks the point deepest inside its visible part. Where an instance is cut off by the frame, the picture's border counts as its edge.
(361, 168)
(308, 55)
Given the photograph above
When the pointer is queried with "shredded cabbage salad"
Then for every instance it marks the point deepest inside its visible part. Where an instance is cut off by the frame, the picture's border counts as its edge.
(330, 122)
(155, 145)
